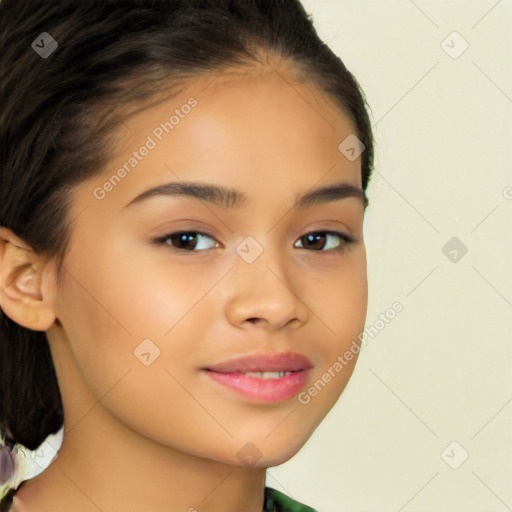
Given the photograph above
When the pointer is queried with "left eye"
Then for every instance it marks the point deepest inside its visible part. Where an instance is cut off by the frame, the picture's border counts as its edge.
(321, 236)
(188, 241)
(184, 238)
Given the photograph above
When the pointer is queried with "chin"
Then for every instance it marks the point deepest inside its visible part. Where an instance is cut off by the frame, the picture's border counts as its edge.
(278, 458)
(281, 451)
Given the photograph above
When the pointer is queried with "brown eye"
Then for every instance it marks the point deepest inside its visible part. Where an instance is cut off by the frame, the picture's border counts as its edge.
(319, 240)
(191, 241)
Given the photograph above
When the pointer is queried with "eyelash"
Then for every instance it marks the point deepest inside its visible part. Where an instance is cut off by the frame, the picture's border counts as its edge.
(346, 240)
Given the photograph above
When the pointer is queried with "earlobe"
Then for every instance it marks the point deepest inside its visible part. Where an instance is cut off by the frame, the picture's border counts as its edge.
(22, 298)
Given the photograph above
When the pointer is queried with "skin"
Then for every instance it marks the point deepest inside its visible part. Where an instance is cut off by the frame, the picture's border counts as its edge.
(142, 437)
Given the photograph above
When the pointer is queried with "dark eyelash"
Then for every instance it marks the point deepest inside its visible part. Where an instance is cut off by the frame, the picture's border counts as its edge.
(346, 240)
(161, 240)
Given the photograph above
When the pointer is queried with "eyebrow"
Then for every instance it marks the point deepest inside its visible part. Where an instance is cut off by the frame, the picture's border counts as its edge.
(232, 198)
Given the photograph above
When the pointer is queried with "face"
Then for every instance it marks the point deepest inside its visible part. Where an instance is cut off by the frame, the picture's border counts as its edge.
(158, 289)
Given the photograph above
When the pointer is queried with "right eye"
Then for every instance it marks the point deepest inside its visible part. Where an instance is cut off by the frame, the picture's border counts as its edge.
(185, 241)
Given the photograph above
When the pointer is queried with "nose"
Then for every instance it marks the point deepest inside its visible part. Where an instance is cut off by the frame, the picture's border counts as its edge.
(264, 294)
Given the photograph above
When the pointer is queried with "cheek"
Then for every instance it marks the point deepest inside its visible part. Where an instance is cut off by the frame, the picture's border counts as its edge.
(340, 301)
(116, 310)
(341, 304)
(137, 300)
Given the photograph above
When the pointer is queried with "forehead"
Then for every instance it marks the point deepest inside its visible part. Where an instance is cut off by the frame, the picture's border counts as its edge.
(266, 132)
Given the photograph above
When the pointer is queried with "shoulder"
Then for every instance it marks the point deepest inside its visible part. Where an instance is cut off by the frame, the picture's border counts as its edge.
(276, 501)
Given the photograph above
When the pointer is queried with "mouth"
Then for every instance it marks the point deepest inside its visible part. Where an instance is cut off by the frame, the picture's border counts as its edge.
(270, 362)
(263, 374)
(270, 377)
(263, 386)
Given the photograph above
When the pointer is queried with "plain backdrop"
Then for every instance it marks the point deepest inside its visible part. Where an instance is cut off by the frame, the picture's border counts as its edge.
(425, 424)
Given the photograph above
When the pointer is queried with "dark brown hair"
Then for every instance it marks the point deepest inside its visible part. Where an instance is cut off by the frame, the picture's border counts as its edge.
(58, 114)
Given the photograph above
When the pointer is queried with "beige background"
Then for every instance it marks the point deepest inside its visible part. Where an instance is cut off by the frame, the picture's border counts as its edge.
(439, 372)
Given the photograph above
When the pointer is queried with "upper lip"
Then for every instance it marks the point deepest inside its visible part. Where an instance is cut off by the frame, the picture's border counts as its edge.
(263, 362)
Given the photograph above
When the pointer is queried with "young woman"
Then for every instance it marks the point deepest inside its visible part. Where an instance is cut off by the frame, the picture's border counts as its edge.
(182, 261)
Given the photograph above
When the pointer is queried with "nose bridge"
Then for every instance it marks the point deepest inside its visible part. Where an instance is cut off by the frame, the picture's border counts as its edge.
(260, 259)
(263, 288)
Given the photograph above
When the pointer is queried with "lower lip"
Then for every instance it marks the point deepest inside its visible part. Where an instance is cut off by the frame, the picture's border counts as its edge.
(267, 390)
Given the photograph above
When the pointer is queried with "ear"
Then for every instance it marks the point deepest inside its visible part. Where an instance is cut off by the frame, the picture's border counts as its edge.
(27, 284)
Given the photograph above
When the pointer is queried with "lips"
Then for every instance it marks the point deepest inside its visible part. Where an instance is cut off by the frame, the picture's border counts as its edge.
(269, 362)
(258, 389)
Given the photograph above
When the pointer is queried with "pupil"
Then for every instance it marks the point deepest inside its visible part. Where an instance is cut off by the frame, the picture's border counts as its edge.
(315, 236)
(187, 238)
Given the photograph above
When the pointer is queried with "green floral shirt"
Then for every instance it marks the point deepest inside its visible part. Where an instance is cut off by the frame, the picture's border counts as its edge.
(276, 501)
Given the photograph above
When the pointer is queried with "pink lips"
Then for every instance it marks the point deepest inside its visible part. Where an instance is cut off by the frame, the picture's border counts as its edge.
(270, 362)
(230, 373)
